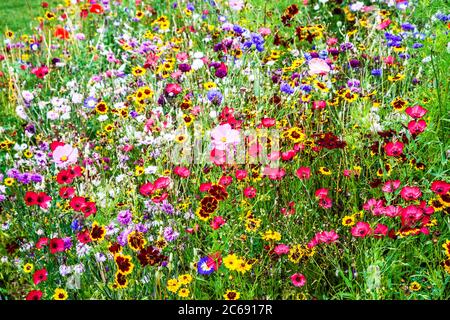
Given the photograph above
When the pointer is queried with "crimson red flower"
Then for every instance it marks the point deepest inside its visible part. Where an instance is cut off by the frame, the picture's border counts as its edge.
(34, 295)
(64, 177)
(225, 180)
(96, 8)
(41, 243)
(77, 203)
(394, 149)
(147, 189)
(39, 276)
(303, 173)
(66, 192)
(440, 187)
(205, 186)
(241, 174)
(268, 122)
(75, 171)
(56, 144)
(40, 72)
(89, 208)
(30, 198)
(84, 236)
(43, 200)
(56, 245)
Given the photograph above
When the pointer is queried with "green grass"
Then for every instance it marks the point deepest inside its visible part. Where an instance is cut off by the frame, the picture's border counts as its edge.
(21, 14)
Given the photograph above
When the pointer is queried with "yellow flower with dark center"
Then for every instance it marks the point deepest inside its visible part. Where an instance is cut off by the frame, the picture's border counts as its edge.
(270, 235)
(349, 96)
(183, 293)
(28, 267)
(321, 86)
(138, 171)
(209, 85)
(397, 77)
(399, 104)
(60, 294)
(243, 266)
(120, 280)
(415, 286)
(124, 263)
(185, 278)
(136, 240)
(348, 221)
(231, 295)
(138, 71)
(446, 246)
(101, 107)
(139, 14)
(109, 127)
(325, 171)
(296, 135)
(50, 15)
(97, 232)
(296, 253)
(9, 34)
(173, 285)
(9, 182)
(181, 138)
(251, 224)
(231, 261)
(444, 199)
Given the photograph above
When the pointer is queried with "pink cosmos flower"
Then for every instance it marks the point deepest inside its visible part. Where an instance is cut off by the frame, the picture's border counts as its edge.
(224, 136)
(264, 31)
(391, 186)
(394, 149)
(65, 155)
(236, 5)
(416, 112)
(410, 193)
(298, 279)
(416, 127)
(361, 229)
(303, 173)
(318, 66)
(281, 249)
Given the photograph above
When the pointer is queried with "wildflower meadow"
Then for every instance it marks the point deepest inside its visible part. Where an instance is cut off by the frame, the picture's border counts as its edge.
(225, 150)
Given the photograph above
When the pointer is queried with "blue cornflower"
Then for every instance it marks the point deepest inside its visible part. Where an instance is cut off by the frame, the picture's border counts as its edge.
(376, 72)
(417, 45)
(286, 88)
(76, 225)
(215, 96)
(90, 102)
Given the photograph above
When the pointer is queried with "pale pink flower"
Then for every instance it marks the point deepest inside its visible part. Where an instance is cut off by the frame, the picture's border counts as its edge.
(318, 66)
(236, 5)
(224, 136)
(65, 155)
(264, 31)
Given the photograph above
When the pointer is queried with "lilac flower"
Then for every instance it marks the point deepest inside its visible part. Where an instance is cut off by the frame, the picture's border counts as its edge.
(170, 234)
(167, 207)
(141, 228)
(67, 243)
(124, 217)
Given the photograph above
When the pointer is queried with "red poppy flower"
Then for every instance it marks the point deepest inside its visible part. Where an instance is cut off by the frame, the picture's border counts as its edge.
(56, 245)
(30, 198)
(39, 276)
(84, 236)
(61, 33)
(64, 177)
(43, 199)
(41, 243)
(89, 208)
(77, 203)
(66, 192)
(96, 8)
(34, 295)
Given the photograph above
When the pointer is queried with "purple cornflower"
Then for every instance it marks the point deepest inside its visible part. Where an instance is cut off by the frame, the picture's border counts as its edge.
(286, 88)
(90, 102)
(215, 96)
(167, 207)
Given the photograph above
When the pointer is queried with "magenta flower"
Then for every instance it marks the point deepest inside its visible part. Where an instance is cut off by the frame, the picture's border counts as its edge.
(361, 229)
(410, 193)
(298, 279)
(393, 149)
